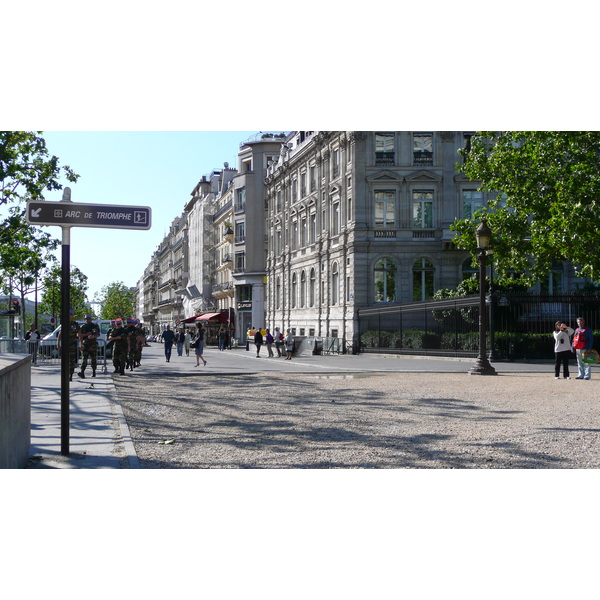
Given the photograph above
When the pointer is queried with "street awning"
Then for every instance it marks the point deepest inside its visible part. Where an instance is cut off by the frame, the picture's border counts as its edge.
(190, 319)
(207, 316)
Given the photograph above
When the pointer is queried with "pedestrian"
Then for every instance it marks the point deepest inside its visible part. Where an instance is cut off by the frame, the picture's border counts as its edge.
(131, 333)
(250, 336)
(120, 349)
(180, 342)
(278, 342)
(186, 342)
(562, 349)
(270, 341)
(168, 338)
(289, 344)
(199, 344)
(582, 340)
(33, 337)
(90, 332)
(74, 341)
(258, 342)
(222, 335)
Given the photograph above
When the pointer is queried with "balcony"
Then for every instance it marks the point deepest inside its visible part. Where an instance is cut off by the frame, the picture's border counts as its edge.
(385, 158)
(423, 159)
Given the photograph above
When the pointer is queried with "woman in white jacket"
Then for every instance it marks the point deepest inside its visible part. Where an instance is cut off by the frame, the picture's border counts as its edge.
(562, 349)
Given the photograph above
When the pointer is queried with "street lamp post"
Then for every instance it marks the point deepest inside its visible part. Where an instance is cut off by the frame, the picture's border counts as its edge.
(482, 365)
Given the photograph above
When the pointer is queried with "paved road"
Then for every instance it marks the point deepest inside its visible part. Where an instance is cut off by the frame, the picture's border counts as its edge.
(99, 434)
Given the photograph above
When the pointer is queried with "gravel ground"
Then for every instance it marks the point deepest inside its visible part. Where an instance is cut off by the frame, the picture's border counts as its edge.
(399, 420)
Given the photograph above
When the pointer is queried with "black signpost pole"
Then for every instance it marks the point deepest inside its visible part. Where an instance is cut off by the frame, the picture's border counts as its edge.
(67, 214)
(65, 333)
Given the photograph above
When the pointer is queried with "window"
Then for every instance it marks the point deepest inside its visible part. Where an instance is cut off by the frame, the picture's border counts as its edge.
(349, 209)
(244, 293)
(468, 270)
(385, 280)
(294, 290)
(384, 149)
(311, 289)
(553, 282)
(335, 218)
(294, 238)
(277, 293)
(335, 284)
(278, 201)
(240, 200)
(423, 275)
(240, 261)
(302, 289)
(240, 235)
(467, 145)
(294, 190)
(336, 161)
(302, 185)
(385, 208)
(472, 201)
(422, 149)
(422, 209)
(312, 231)
(303, 232)
(278, 246)
(313, 178)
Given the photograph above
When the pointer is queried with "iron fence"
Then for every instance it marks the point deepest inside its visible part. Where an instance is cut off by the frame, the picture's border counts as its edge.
(520, 325)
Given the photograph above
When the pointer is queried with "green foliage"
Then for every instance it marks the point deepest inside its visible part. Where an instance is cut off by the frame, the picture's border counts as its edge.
(551, 183)
(116, 301)
(26, 168)
(51, 297)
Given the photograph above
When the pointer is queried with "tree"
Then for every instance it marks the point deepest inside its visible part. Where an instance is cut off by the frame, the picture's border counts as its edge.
(27, 171)
(547, 205)
(116, 301)
(26, 168)
(24, 252)
(51, 297)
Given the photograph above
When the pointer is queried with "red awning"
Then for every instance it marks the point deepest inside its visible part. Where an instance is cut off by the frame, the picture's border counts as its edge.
(207, 316)
(190, 319)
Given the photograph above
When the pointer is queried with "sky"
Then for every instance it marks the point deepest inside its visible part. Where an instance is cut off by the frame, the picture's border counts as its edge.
(141, 168)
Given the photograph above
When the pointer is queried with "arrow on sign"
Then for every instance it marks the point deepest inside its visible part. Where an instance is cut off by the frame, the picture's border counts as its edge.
(35, 213)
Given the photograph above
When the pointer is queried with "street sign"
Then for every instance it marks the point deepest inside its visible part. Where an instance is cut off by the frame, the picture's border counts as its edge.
(72, 214)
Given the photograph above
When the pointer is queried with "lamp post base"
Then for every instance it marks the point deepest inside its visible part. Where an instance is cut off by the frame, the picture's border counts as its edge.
(482, 367)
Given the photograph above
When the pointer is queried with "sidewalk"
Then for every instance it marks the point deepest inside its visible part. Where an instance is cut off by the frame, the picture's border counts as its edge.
(99, 436)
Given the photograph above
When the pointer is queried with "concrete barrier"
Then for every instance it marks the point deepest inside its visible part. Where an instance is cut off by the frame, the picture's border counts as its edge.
(15, 410)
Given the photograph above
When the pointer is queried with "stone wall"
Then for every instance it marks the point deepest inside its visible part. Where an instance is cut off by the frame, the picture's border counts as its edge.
(15, 410)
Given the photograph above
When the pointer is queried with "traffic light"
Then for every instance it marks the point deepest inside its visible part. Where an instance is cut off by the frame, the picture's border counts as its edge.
(16, 306)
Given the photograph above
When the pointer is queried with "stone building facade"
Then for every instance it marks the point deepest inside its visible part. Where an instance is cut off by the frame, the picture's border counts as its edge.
(359, 219)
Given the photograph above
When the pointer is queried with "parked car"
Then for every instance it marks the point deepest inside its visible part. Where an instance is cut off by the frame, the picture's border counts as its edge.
(48, 344)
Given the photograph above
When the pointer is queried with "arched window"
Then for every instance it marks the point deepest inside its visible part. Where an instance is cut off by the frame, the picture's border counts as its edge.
(385, 280)
(294, 290)
(423, 279)
(313, 283)
(335, 284)
(302, 289)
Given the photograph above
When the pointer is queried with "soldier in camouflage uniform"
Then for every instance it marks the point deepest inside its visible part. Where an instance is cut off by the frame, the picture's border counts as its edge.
(120, 347)
(109, 343)
(140, 337)
(90, 332)
(74, 341)
(131, 336)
